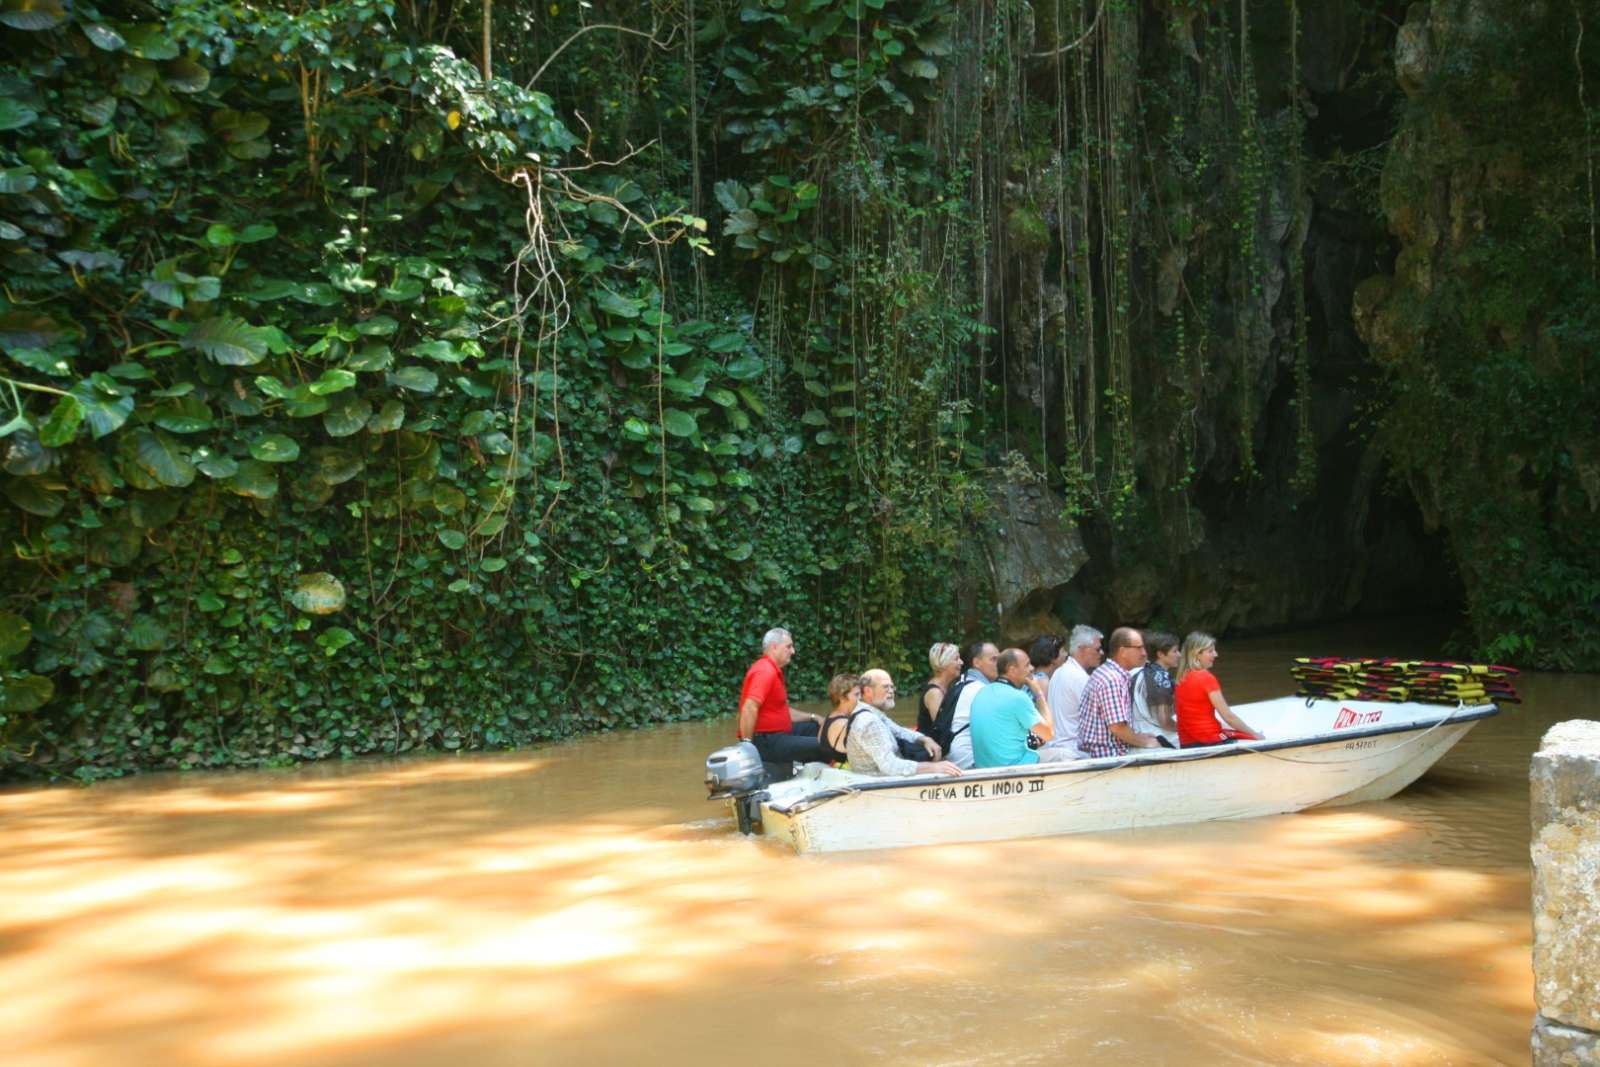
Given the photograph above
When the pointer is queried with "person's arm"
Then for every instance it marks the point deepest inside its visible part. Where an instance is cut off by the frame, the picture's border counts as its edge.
(747, 718)
(898, 732)
(1220, 705)
(796, 715)
(1133, 738)
(1044, 725)
(871, 750)
(1166, 715)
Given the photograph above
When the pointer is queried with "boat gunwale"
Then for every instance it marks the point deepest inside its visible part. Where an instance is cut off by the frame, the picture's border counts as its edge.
(1460, 713)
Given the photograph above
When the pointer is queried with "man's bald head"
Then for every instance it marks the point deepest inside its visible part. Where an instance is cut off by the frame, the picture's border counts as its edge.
(877, 688)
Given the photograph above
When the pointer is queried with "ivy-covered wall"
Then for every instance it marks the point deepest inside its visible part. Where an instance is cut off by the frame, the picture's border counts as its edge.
(382, 376)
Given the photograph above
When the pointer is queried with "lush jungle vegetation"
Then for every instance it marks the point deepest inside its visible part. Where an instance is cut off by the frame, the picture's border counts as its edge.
(392, 375)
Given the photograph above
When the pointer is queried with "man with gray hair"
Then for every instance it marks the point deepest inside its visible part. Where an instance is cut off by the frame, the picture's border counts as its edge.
(1067, 684)
(780, 733)
(877, 693)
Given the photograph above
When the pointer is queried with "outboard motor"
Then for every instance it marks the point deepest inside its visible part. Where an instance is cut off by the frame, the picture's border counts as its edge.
(736, 773)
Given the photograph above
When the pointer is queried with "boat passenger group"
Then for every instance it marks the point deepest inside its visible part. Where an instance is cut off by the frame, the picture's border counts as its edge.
(1055, 702)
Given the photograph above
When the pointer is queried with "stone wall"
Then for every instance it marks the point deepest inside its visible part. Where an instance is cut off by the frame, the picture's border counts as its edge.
(1565, 801)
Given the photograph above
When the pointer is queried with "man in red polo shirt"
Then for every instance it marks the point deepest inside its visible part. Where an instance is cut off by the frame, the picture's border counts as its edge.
(781, 734)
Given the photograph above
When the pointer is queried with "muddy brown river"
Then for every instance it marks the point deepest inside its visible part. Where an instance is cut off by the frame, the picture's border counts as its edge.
(581, 903)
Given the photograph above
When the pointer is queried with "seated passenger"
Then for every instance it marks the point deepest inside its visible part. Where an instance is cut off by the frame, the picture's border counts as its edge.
(944, 660)
(980, 672)
(877, 692)
(854, 733)
(1005, 713)
(1152, 688)
(1199, 702)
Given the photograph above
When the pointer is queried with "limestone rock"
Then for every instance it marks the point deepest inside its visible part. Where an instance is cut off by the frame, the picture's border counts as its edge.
(1034, 552)
(1555, 1045)
(1412, 50)
(1565, 808)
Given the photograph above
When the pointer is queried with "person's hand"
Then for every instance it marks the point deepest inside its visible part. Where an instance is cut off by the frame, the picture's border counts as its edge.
(933, 748)
(943, 767)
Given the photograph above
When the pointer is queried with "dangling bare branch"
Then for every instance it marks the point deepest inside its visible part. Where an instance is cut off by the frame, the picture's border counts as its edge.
(1070, 45)
(650, 35)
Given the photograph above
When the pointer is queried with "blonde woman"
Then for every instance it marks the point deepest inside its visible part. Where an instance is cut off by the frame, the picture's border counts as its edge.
(1199, 701)
(944, 660)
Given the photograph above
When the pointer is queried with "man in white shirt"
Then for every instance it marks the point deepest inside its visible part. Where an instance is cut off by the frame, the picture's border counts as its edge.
(877, 693)
(981, 670)
(1067, 684)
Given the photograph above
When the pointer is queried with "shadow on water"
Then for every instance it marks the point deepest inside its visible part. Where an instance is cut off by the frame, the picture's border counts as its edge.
(580, 903)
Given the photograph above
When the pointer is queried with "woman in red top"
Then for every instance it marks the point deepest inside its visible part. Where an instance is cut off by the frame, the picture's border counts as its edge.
(1198, 698)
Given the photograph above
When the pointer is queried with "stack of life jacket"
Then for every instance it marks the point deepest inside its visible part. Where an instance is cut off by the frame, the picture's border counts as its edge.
(1394, 680)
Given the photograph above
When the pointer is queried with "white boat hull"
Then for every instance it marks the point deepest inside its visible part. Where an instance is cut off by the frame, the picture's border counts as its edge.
(1353, 752)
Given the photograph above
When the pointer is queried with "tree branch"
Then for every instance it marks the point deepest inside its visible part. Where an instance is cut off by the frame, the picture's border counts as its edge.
(600, 26)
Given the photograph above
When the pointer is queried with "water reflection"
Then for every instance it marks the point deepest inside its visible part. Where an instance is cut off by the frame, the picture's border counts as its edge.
(534, 908)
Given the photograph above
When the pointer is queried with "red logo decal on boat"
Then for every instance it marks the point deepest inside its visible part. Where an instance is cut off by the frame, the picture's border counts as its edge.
(1347, 717)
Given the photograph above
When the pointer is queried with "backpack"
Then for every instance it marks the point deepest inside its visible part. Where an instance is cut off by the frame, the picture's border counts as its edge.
(944, 730)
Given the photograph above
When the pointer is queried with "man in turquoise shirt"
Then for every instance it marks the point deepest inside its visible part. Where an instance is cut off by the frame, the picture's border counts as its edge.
(1004, 714)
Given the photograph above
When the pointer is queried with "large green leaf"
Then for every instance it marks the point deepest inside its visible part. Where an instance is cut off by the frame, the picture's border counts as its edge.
(255, 479)
(679, 423)
(99, 112)
(43, 362)
(346, 416)
(725, 342)
(148, 42)
(161, 458)
(104, 37)
(14, 114)
(227, 340)
(215, 464)
(372, 356)
(17, 179)
(442, 351)
(745, 368)
(15, 634)
(25, 692)
(92, 184)
(334, 638)
(32, 497)
(333, 381)
(416, 379)
(318, 593)
(145, 634)
(150, 510)
(611, 303)
(389, 418)
(337, 465)
(62, 425)
(185, 76)
(104, 413)
(32, 14)
(275, 448)
(22, 328)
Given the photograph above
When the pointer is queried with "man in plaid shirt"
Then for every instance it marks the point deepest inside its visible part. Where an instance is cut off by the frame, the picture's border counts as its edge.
(1103, 727)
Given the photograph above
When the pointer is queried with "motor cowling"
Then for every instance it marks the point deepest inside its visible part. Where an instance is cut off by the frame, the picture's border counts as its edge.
(736, 773)
(734, 770)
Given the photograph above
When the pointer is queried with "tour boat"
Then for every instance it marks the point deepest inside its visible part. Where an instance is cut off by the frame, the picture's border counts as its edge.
(1313, 753)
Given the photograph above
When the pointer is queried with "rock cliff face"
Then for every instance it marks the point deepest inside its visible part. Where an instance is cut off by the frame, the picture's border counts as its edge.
(1207, 545)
